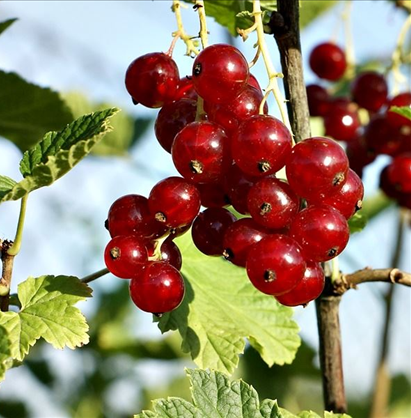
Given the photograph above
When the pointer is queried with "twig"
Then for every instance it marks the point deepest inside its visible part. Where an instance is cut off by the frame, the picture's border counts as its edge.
(94, 276)
(7, 272)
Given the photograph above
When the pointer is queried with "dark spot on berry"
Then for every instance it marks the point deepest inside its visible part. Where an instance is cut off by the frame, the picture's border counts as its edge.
(269, 276)
(160, 217)
(115, 253)
(197, 69)
(338, 179)
(264, 166)
(332, 252)
(228, 254)
(196, 167)
(265, 208)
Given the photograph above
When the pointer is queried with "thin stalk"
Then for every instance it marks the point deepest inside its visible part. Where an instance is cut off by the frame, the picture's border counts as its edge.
(95, 276)
(15, 248)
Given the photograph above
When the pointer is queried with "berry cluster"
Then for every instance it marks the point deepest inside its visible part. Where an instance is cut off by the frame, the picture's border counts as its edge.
(385, 132)
(228, 153)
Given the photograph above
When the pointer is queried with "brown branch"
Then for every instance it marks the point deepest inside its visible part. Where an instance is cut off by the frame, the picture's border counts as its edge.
(7, 272)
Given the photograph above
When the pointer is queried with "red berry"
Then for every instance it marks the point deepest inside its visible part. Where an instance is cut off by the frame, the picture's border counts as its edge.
(125, 255)
(327, 60)
(213, 195)
(220, 73)
(359, 155)
(186, 89)
(308, 289)
(272, 203)
(399, 172)
(201, 152)
(369, 89)
(261, 145)
(342, 122)
(169, 252)
(401, 100)
(171, 119)
(158, 288)
(322, 232)
(209, 228)
(318, 99)
(275, 265)
(152, 79)
(174, 202)
(239, 238)
(317, 166)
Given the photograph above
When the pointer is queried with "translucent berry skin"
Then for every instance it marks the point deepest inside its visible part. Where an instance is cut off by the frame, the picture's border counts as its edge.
(275, 265)
(342, 122)
(213, 195)
(321, 231)
(369, 89)
(401, 100)
(130, 214)
(220, 73)
(261, 145)
(272, 203)
(318, 99)
(327, 61)
(239, 238)
(170, 253)
(201, 152)
(209, 228)
(359, 155)
(174, 202)
(125, 255)
(399, 172)
(317, 166)
(152, 79)
(348, 199)
(186, 89)
(158, 288)
(308, 289)
(171, 119)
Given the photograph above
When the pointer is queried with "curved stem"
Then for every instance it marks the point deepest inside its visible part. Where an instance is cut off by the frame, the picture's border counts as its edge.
(94, 276)
(15, 248)
(349, 43)
(203, 23)
(181, 33)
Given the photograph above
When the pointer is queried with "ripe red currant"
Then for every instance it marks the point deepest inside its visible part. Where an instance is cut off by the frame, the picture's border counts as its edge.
(399, 172)
(327, 60)
(369, 89)
(169, 252)
(401, 100)
(318, 99)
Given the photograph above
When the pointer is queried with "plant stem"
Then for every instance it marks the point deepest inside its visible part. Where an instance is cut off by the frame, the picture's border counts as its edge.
(7, 272)
(203, 23)
(285, 26)
(382, 386)
(181, 33)
(15, 248)
(94, 276)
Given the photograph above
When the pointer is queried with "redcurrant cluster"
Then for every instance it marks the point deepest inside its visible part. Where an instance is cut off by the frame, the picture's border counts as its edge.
(385, 132)
(228, 153)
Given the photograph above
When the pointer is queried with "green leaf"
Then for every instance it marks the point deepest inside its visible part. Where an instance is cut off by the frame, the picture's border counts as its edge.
(403, 111)
(357, 222)
(221, 308)
(312, 9)
(47, 312)
(28, 111)
(6, 24)
(5, 352)
(56, 154)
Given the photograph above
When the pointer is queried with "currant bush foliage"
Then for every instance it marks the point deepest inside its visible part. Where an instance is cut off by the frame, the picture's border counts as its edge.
(56, 154)
(6, 24)
(47, 312)
(215, 395)
(222, 308)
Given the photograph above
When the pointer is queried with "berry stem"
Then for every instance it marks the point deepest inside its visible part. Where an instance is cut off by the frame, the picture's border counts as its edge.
(181, 33)
(15, 248)
(349, 43)
(199, 5)
(94, 276)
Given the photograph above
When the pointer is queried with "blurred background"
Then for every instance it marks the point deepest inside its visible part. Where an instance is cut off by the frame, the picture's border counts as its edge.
(82, 50)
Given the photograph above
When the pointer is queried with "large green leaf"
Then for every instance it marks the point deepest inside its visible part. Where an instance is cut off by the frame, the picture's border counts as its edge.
(215, 396)
(6, 24)
(5, 352)
(56, 154)
(221, 308)
(403, 111)
(47, 312)
(28, 111)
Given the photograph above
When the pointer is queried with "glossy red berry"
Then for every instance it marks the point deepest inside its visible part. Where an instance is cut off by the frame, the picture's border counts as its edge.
(275, 265)
(174, 202)
(186, 89)
(321, 231)
(201, 152)
(153, 79)
(318, 100)
(125, 255)
(158, 288)
(220, 73)
(399, 172)
(213, 195)
(169, 252)
(401, 100)
(369, 89)
(359, 155)
(209, 228)
(348, 199)
(261, 145)
(342, 122)
(327, 60)
(308, 289)
(239, 238)
(272, 203)
(317, 166)
(171, 119)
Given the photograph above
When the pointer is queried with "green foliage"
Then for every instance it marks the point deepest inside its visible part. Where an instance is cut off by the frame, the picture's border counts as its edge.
(215, 396)
(311, 9)
(56, 154)
(221, 308)
(126, 130)
(28, 111)
(403, 111)
(47, 312)
(6, 24)
(357, 222)
(5, 353)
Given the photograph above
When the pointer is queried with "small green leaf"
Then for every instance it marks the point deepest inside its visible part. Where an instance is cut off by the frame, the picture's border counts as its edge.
(56, 154)
(308, 414)
(221, 308)
(28, 111)
(5, 352)
(312, 9)
(357, 222)
(403, 111)
(47, 312)
(6, 24)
